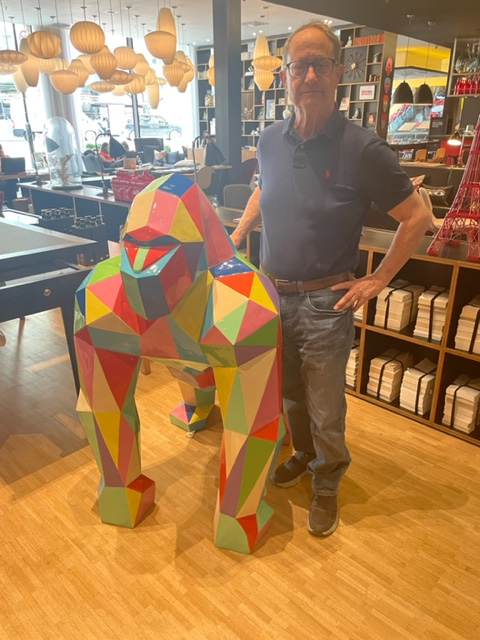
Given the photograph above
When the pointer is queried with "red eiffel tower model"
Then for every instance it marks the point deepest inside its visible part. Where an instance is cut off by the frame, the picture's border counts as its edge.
(462, 221)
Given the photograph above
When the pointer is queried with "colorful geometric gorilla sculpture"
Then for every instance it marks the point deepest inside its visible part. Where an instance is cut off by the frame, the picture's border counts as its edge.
(181, 294)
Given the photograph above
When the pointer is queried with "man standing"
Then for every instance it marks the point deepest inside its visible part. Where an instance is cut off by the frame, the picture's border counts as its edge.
(319, 175)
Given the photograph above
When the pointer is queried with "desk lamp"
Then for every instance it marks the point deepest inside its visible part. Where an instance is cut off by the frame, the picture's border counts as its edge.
(453, 148)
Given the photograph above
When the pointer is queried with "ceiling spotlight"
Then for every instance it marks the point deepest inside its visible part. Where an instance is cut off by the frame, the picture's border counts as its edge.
(289, 28)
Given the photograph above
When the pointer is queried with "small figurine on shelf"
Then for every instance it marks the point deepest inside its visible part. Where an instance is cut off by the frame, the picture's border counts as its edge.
(349, 42)
(357, 114)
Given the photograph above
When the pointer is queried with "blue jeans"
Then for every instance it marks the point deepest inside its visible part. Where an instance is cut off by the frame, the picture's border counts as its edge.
(316, 345)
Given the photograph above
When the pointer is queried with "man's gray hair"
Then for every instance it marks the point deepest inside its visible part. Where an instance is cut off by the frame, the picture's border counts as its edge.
(325, 29)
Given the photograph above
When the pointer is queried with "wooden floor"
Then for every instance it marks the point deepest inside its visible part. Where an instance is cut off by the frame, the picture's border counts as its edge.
(403, 563)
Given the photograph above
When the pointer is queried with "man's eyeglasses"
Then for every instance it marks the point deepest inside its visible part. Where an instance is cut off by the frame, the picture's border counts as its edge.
(321, 66)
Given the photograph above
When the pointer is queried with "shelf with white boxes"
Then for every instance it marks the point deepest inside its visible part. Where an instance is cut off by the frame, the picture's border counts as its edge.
(433, 305)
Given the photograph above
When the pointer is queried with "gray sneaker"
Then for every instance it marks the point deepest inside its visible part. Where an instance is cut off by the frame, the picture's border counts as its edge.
(324, 515)
(290, 472)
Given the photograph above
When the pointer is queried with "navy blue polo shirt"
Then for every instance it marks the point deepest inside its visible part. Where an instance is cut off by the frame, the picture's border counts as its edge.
(316, 193)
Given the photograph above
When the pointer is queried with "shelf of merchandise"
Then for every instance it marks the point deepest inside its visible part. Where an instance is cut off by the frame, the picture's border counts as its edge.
(450, 271)
(206, 93)
(464, 76)
(365, 88)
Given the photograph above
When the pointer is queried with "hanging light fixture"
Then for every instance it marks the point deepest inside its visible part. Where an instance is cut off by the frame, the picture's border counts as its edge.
(10, 56)
(423, 95)
(120, 77)
(7, 69)
(262, 58)
(64, 81)
(403, 93)
(173, 72)
(19, 80)
(153, 95)
(211, 70)
(263, 78)
(30, 68)
(87, 36)
(136, 85)
(101, 86)
(142, 65)
(150, 77)
(162, 43)
(104, 63)
(44, 44)
(79, 68)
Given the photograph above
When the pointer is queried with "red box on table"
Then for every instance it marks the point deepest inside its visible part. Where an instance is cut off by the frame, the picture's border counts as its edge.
(126, 185)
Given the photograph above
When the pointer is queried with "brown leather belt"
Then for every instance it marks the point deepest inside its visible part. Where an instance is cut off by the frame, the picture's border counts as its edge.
(301, 287)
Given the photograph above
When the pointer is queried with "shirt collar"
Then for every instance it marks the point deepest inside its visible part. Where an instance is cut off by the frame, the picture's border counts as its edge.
(330, 130)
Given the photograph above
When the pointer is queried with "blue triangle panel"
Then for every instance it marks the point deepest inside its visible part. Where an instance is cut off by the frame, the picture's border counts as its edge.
(229, 267)
(176, 184)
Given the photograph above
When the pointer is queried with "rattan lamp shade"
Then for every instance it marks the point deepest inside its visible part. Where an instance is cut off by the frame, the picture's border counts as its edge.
(19, 81)
(120, 77)
(7, 69)
(162, 45)
(30, 68)
(173, 73)
(104, 63)
(166, 21)
(44, 44)
(263, 78)
(142, 65)
(78, 67)
(137, 85)
(87, 37)
(119, 90)
(101, 86)
(150, 77)
(153, 95)
(64, 81)
(126, 57)
(12, 57)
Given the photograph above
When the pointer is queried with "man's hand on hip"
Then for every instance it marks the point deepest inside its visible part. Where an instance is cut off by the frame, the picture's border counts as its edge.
(359, 291)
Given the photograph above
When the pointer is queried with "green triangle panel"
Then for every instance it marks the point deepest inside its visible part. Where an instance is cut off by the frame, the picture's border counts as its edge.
(188, 349)
(264, 517)
(235, 417)
(230, 535)
(88, 424)
(78, 319)
(230, 324)
(105, 269)
(121, 342)
(266, 335)
(256, 459)
(133, 292)
(129, 410)
(220, 356)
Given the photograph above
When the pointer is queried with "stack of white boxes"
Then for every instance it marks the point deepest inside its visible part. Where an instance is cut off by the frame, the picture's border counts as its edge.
(467, 337)
(462, 398)
(397, 305)
(352, 365)
(386, 372)
(417, 387)
(432, 309)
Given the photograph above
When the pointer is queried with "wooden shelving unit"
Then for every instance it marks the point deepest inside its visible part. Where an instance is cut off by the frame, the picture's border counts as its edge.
(365, 89)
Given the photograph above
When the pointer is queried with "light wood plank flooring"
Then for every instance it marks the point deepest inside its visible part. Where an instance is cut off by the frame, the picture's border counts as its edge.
(403, 563)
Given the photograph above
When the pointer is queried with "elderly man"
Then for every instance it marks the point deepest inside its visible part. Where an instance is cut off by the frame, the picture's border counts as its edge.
(319, 175)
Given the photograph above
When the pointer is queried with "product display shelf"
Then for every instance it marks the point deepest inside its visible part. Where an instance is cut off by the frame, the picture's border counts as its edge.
(464, 75)
(365, 89)
(206, 93)
(462, 280)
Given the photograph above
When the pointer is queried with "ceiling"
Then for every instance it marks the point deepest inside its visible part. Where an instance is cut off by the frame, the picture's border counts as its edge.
(195, 16)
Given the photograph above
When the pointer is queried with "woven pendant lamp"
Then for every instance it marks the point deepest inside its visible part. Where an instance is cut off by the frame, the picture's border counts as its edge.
(78, 67)
(262, 59)
(7, 69)
(12, 57)
(120, 77)
(153, 95)
(263, 79)
(30, 68)
(161, 45)
(150, 77)
(173, 73)
(137, 85)
(85, 60)
(126, 57)
(142, 65)
(119, 90)
(101, 86)
(64, 81)
(104, 63)
(19, 81)
(87, 37)
(44, 44)
(47, 65)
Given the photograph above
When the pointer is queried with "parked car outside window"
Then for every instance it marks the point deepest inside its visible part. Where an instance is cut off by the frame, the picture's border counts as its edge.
(154, 125)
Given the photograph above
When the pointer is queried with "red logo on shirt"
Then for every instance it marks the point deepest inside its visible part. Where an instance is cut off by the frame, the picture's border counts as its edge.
(327, 174)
